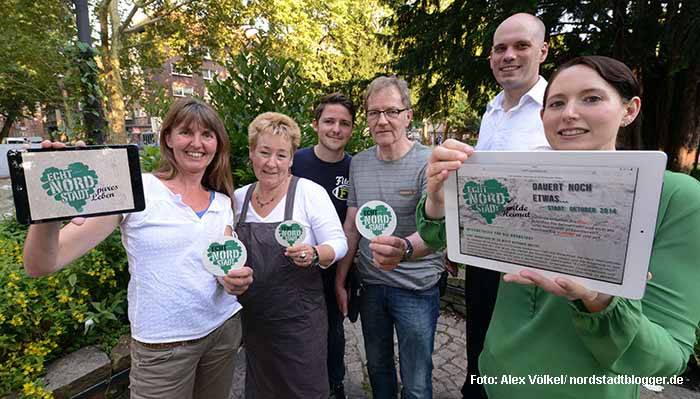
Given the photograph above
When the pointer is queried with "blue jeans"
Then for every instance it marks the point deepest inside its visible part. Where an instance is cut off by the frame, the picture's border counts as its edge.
(414, 314)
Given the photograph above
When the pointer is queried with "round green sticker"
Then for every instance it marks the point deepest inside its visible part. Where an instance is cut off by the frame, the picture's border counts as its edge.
(375, 218)
(225, 254)
(290, 233)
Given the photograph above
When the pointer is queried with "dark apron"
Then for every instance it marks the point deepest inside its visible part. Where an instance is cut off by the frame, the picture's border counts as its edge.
(284, 316)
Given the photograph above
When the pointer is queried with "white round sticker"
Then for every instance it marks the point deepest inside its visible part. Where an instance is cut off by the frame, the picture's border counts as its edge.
(290, 233)
(223, 255)
(375, 218)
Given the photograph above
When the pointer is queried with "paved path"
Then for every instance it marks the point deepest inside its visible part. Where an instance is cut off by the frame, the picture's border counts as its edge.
(449, 362)
(449, 359)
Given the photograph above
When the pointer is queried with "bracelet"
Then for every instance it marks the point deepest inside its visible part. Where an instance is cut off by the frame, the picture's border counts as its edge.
(315, 261)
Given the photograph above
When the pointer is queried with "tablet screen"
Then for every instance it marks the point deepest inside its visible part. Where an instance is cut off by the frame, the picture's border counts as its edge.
(573, 220)
(67, 183)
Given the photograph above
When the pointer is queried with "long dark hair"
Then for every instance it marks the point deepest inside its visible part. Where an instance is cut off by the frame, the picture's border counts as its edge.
(185, 111)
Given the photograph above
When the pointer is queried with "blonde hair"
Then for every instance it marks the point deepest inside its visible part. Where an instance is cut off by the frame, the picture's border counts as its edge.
(275, 124)
(186, 111)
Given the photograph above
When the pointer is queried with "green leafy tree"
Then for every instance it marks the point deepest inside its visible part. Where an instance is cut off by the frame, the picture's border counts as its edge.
(440, 44)
(132, 51)
(335, 41)
(35, 62)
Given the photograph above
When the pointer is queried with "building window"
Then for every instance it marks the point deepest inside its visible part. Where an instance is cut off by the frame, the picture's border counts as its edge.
(182, 91)
(208, 74)
(181, 71)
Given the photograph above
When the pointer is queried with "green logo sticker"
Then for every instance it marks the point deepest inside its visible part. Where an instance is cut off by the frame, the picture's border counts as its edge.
(289, 233)
(225, 254)
(375, 218)
(72, 186)
(487, 199)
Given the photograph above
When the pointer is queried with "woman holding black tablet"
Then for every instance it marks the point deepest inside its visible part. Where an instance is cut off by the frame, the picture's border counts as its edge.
(184, 321)
(544, 329)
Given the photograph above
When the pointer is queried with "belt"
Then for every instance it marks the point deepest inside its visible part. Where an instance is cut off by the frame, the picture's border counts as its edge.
(170, 345)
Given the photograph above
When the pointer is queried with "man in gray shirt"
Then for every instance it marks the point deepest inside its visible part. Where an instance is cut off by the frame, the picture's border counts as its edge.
(399, 272)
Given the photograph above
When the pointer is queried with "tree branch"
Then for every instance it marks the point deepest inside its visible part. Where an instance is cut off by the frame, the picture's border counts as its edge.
(158, 17)
(134, 9)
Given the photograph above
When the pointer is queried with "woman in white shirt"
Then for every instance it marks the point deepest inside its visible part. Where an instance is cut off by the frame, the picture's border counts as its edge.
(184, 321)
(284, 314)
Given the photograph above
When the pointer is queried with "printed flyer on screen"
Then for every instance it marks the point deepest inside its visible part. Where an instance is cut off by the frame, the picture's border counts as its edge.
(570, 220)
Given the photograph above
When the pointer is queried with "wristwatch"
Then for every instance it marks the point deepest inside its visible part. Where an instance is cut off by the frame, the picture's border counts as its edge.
(315, 261)
(409, 249)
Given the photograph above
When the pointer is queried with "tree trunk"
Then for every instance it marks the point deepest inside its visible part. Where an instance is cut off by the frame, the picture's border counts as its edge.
(116, 93)
(9, 120)
(93, 115)
(108, 16)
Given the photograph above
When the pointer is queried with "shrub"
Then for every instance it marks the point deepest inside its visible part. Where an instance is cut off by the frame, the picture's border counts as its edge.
(44, 318)
(257, 82)
(150, 158)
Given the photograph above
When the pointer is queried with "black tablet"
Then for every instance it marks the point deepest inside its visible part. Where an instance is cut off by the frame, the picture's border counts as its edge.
(58, 184)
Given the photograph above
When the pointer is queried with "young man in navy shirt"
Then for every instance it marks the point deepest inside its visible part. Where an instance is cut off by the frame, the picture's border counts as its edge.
(327, 164)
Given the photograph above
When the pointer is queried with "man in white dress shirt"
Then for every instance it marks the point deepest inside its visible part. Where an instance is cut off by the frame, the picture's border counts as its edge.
(511, 123)
(512, 118)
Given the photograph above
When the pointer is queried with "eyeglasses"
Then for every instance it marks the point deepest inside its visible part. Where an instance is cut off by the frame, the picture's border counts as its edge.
(389, 113)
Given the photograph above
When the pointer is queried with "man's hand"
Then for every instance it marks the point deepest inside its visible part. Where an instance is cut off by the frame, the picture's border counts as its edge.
(237, 281)
(341, 296)
(387, 251)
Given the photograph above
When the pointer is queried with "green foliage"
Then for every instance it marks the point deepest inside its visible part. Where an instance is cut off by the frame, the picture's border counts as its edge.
(696, 347)
(335, 41)
(34, 34)
(44, 318)
(443, 44)
(259, 82)
(461, 117)
(150, 158)
(361, 138)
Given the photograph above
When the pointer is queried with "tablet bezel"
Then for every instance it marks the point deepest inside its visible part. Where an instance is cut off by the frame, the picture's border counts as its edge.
(19, 190)
(651, 166)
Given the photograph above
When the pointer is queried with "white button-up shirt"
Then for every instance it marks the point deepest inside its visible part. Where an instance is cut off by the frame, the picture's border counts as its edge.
(519, 128)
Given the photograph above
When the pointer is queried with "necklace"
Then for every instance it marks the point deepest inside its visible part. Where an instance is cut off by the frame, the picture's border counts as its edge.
(261, 203)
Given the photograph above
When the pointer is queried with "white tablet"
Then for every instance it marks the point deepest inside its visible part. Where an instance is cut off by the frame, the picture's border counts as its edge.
(589, 216)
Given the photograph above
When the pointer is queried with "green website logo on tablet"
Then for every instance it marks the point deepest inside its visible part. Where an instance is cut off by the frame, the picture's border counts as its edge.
(73, 185)
(488, 199)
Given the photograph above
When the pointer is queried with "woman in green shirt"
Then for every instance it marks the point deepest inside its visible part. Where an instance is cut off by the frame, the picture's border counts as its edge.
(556, 338)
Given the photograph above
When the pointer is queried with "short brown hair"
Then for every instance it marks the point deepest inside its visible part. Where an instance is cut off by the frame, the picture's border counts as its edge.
(335, 98)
